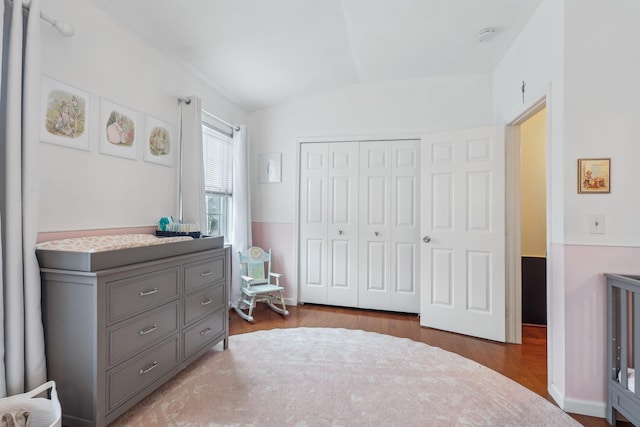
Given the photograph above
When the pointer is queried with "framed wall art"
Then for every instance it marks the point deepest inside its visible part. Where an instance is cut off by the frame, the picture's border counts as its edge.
(594, 175)
(159, 142)
(64, 118)
(118, 130)
(270, 168)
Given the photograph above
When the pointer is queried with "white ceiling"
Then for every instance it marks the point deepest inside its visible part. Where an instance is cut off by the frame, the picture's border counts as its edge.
(260, 53)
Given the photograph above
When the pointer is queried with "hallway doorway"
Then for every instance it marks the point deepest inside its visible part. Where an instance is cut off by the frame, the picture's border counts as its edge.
(533, 219)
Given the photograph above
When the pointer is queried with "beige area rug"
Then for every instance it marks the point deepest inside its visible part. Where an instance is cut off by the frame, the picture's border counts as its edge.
(339, 377)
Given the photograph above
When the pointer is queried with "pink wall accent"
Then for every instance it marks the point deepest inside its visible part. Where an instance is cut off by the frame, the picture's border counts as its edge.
(557, 328)
(57, 235)
(585, 314)
(280, 238)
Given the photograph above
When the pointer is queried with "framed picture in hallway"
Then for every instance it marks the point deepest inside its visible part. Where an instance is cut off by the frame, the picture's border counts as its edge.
(594, 175)
(64, 114)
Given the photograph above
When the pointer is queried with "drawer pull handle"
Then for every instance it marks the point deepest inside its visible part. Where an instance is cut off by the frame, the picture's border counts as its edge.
(205, 331)
(151, 292)
(208, 273)
(144, 371)
(207, 302)
(148, 330)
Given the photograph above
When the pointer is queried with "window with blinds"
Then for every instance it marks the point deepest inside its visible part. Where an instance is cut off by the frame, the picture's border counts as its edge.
(218, 177)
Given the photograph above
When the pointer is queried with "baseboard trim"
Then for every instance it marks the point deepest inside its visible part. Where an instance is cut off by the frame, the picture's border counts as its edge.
(585, 407)
(576, 406)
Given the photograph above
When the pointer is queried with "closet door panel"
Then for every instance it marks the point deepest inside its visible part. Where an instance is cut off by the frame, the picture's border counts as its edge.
(313, 223)
(342, 227)
(359, 224)
(375, 210)
(404, 230)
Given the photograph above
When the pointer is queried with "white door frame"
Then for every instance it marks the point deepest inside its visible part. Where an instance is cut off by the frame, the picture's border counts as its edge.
(513, 258)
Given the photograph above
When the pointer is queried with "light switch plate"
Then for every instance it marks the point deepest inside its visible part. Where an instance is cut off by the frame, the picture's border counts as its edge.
(596, 223)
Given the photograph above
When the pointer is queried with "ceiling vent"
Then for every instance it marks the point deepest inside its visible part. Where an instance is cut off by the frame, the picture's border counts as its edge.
(486, 34)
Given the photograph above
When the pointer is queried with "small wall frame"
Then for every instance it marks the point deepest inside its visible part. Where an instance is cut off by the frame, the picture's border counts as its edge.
(64, 119)
(594, 176)
(270, 168)
(118, 130)
(159, 142)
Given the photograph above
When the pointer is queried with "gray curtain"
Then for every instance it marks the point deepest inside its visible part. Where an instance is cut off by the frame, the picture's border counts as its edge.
(22, 357)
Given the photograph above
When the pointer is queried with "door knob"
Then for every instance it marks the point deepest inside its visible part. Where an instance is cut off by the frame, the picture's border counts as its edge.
(426, 239)
(340, 232)
(376, 233)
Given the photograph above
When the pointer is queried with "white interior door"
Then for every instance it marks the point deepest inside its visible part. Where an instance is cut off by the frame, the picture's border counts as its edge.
(405, 227)
(313, 222)
(375, 212)
(389, 225)
(329, 223)
(462, 213)
(342, 232)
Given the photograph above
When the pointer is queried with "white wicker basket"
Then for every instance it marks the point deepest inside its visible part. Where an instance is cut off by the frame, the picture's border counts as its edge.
(44, 412)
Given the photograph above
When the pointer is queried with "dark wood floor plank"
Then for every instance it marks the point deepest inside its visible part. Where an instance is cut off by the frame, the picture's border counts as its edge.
(526, 364)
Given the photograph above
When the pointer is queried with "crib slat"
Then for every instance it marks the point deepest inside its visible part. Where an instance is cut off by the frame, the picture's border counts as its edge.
(623, 339)
(612, 308)
(636, 341)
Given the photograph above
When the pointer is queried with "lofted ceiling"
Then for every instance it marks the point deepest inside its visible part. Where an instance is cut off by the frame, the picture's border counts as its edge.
(260, 53)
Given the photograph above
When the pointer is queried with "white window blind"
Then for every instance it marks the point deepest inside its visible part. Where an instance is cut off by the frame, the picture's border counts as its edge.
(218, 162)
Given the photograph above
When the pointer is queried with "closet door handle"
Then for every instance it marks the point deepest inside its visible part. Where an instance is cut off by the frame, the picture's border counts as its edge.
(426, 239)
(340, 232)
(377, 233)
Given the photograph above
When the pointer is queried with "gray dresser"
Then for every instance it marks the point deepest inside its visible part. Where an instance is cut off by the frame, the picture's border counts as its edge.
(115, 335)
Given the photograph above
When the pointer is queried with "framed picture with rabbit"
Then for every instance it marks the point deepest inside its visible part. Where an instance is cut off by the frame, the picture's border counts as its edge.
(159, 141)
(118, 130)
(64, 114)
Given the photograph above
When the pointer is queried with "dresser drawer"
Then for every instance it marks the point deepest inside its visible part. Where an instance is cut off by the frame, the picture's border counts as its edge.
(132, 295)
(204, 302)
(202, 273)
(129, 337)
(125, 381)
(203, 332)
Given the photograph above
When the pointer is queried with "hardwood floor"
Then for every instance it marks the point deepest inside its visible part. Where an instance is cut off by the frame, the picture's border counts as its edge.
(525, 364)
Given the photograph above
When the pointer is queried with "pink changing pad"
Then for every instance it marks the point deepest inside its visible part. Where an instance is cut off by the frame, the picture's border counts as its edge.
(92, 244)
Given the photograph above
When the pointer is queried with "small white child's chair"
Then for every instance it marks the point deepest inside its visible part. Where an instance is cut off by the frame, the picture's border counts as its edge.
(256, 286)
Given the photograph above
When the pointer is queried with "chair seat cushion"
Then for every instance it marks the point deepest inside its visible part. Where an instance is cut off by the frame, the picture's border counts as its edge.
(261, 289)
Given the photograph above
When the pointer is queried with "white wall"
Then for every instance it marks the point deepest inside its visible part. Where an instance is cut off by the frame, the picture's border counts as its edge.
(537, 58)
(393, 108)
(88, 190)
(601, 100)
(602, 62)
(587, 53)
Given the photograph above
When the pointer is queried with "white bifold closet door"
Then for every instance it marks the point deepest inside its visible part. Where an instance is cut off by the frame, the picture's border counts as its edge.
(329, 223)
(389, 227)
(359, 224)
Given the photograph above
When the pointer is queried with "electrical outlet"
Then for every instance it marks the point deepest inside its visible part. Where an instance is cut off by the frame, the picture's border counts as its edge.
(596, 224)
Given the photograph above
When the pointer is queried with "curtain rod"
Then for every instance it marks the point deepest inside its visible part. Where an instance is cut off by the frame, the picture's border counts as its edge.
(234, 127)
(63, 28)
